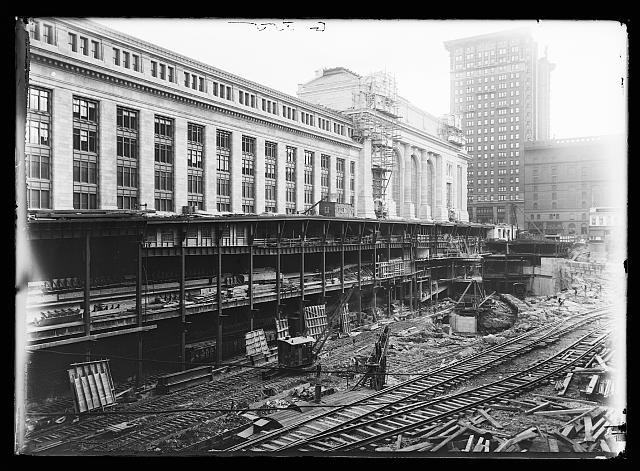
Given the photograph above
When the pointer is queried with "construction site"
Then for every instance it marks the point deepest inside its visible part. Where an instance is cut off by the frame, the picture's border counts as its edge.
(315, 335)
(332, 299)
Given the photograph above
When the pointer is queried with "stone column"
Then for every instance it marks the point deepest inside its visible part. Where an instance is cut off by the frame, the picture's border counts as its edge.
(332, 176)
(299, 179)
(426, 186)
(408, 207)
(210, 168)
(107, 165)
(236, 172)
(281, 182)
(258, 176)
(397, 178)
(464, 214)
(317, 182)
(146, 158)
(62, 150)
(417, 197)
(440, 213)
(180, 165)
(364, 183)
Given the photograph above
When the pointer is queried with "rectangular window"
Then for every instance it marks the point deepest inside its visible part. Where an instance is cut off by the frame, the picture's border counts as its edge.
(84, 46)
(47, 34)
(171, 74)
(85, 110)
(38, 100)
(136, 62)
(154, 69)
(95, 49)
(73, 42)
(116, 56)
(163, 71)
(125, 59)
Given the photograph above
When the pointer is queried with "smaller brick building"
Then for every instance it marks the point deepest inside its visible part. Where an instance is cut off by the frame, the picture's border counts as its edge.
(564, 178)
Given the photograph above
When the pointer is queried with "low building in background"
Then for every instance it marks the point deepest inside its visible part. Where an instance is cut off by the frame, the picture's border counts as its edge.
(564, 178)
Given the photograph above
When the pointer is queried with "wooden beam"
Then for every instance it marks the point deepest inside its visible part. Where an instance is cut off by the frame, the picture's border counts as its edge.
(92, 337)
(450, 438)
(493, 421)
(561, 412)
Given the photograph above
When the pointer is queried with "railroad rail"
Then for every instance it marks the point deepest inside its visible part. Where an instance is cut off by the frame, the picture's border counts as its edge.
(413, 393)
(237, 385)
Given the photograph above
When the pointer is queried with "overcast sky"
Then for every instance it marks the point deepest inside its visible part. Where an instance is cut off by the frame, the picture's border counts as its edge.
(588, 94)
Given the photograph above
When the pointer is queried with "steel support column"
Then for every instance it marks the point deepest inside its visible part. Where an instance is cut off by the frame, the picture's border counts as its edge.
(301, 309)
(250, 287)
(219, 299)
(278, 272)
(139, 312)
(359, 274)
(183, 313)
(342, 258)
(86, 316)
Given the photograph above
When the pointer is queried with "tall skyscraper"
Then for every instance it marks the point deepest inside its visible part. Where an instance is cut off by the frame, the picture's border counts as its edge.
(500, 89)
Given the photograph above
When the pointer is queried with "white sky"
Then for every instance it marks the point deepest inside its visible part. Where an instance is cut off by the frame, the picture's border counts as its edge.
(587, 92)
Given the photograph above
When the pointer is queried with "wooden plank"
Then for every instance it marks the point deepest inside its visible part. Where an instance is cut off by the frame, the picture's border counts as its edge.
(568, 441)
(101, 395)
(588, 437)
(491, 433)
(593, 412)
(567, 430)
(399, 441)
(446, 441)
(565, 384)
(592, 384)
(539, 407)
(415, 447)
(487, 446)
(437, 430)
(82, 402)
(480, 445)
(561, 412)
(493, 421)
(107, 388)
(604, 447)
(579, 401)
(553, 444)
(469, 443)
(507, 408)
(87, 392)
(94, 390)
(601, 362)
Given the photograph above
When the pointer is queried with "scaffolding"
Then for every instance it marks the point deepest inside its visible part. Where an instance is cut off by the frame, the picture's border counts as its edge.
(375, 105)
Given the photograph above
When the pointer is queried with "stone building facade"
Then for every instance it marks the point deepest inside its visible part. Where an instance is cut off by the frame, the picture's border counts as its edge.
(114, 122)
(428, 176)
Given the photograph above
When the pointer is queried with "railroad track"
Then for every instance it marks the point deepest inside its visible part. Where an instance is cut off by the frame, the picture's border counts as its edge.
(395, 404)
(236, 386)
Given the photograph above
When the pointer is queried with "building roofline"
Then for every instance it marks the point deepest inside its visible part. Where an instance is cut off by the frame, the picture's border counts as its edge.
(576, 141)
(522, 30)
(167, 53)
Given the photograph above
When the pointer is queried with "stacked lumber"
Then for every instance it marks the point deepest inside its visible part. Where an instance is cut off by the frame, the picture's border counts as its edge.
(588, 428)
(597, 372)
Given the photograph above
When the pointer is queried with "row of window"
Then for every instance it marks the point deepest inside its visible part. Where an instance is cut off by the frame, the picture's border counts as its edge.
(85, 114)
(130, 60)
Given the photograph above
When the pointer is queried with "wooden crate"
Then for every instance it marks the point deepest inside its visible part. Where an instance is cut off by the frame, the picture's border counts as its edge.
(91, 385)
